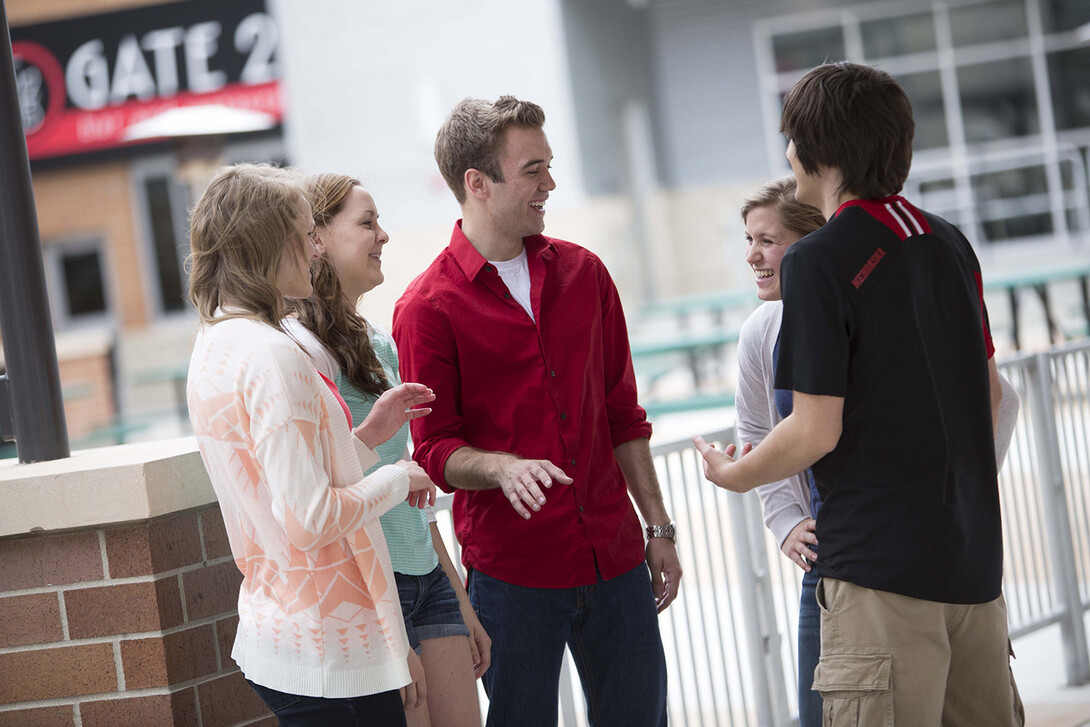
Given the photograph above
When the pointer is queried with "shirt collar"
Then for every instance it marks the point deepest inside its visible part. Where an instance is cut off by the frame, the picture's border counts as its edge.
(867, 204)
(471, 262)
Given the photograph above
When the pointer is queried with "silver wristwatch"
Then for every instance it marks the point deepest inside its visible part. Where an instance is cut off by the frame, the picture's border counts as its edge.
(662, 531)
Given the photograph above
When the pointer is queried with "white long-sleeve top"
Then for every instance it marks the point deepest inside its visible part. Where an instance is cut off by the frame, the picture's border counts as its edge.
(319, 613)
(786, 503)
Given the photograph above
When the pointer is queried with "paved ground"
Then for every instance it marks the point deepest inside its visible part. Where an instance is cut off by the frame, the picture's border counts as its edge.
(1039, 671)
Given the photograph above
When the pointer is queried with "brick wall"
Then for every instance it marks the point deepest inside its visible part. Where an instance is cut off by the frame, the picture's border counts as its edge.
(123, 626)
(95, 201)
(88, 393)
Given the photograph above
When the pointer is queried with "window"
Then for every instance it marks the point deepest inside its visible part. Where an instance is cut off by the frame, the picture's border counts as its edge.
(83, 285)
(988, 22)
(808, 48)
(76, 277)
(1069, 74)
(1013, 203)
(987, 155)
(1061, 15)
(928, 109)
(898, 36)
(998, 100)
(165, 245)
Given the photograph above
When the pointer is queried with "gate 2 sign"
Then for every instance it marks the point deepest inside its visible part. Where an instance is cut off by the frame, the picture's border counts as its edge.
(82, 83)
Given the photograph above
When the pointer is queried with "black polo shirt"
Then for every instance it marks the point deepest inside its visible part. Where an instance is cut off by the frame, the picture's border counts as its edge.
(884, 307)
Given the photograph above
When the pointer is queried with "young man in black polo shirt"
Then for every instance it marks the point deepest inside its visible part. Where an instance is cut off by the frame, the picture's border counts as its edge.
(885, 345)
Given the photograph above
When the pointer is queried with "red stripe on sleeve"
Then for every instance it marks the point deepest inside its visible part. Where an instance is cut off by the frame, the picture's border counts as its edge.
(988, 345)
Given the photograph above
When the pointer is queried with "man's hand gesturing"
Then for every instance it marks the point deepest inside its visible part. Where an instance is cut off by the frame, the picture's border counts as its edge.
(522, 479)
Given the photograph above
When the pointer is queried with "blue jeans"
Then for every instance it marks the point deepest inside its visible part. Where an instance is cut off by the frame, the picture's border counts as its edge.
(374, 710)
(610, 627)
(809, 651)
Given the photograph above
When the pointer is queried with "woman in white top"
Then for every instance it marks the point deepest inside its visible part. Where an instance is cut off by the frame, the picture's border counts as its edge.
(774, 220)
(320, 636)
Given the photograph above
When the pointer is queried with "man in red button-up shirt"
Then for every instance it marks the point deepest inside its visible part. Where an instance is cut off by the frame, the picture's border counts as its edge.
(537, 431)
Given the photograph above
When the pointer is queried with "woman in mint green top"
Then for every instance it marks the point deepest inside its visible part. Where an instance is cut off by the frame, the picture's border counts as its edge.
(406, 528)
(362, 360)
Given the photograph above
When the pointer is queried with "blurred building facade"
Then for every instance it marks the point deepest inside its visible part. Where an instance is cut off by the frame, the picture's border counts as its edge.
(127, 106)
(662, 115)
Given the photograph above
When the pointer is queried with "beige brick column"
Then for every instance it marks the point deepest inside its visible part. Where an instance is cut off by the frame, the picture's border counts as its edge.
(127, 615)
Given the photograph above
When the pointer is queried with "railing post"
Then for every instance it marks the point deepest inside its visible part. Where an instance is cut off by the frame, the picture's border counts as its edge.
(773, 639)
(758, 610)
(1057, 521)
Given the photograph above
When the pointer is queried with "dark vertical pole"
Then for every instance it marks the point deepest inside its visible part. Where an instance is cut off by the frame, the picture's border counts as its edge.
(1085, 289)
(29, 348)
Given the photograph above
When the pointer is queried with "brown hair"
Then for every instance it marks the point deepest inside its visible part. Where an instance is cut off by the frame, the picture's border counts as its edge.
(853, 118)
(470, 137)
(779, 194)
(327, 313)
(245, 221)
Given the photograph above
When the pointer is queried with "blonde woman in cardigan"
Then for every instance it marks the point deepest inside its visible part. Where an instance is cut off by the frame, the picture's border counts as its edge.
(320, 636)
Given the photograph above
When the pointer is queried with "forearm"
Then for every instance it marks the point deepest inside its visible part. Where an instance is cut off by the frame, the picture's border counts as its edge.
(784, 505)
(792, 446)
(468, 468)
(638, 468)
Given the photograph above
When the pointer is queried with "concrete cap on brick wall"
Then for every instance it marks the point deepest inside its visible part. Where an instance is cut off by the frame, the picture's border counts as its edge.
(103, 486)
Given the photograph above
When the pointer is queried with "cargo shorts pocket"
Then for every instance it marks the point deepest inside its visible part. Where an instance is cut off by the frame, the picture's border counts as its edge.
(856, 690)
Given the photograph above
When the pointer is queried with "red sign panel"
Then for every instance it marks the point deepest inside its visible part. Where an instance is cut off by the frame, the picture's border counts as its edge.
(85, 84)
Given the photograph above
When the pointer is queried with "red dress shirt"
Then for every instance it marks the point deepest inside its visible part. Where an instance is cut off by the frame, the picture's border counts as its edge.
(560, 389)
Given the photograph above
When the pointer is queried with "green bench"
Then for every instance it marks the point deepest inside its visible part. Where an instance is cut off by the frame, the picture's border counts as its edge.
(713, 302)
(656, 407)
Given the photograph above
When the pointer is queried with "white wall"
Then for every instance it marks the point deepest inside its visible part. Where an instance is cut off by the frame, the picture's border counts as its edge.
(369, 83)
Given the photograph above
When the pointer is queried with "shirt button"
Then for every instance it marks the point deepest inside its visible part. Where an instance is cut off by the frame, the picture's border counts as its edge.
(573, 463)
(563, 416)
(580, 508)
(552, 373)
(507, 295)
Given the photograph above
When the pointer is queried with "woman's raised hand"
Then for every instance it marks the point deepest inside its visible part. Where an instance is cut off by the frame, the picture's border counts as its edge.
(395, 407)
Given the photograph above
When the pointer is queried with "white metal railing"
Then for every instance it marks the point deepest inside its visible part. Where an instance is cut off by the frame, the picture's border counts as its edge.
(731, 636)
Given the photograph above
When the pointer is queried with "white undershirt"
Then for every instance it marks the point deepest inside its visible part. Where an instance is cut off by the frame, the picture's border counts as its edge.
(515, 274)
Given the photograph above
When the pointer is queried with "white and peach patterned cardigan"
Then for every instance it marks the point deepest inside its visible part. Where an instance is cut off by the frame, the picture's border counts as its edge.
(318, 608)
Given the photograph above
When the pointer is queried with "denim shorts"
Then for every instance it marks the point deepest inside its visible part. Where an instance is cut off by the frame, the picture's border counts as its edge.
(430, 607)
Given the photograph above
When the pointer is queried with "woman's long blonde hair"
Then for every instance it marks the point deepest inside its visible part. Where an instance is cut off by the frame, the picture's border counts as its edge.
(246, 220)
(327, 313)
